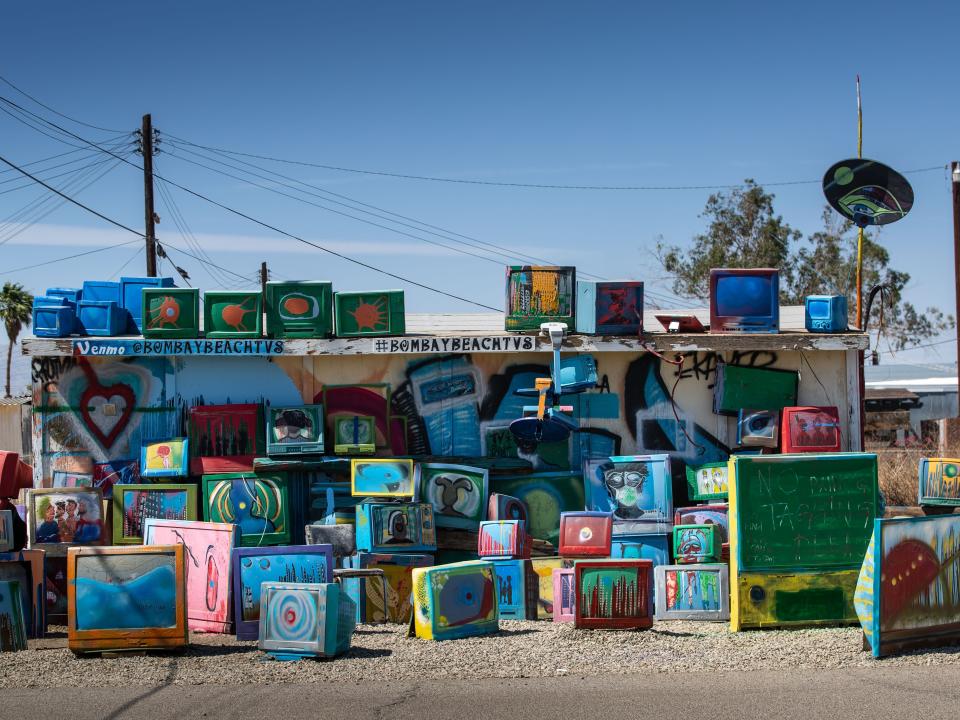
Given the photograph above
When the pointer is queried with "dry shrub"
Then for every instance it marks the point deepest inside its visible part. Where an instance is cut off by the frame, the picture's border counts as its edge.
(898, 473)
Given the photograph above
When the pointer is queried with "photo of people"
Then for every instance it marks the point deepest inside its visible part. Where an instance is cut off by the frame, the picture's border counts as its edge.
(67, 518)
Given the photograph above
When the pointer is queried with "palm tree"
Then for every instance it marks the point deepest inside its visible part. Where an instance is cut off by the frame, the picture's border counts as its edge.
(16, 310)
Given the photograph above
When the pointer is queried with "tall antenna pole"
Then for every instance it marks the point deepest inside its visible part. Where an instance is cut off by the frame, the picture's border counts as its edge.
(859, 230)
(146, 145)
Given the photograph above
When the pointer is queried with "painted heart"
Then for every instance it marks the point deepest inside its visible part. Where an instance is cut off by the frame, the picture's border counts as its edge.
(106, 428)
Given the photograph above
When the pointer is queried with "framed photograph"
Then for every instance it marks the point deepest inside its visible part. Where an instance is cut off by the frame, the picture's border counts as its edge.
(65, 479)
(295, 430)
(208, 548)
(458, 494)
(252, 567)
(693, 592)
(26, 567)
(382, 477)
(133, 504)
(124, 598)
(258, 504)
(165, 458)
(58, 518)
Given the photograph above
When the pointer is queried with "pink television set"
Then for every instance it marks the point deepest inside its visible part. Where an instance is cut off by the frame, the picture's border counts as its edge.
(745, 300)
(810, 430)
(564, 595)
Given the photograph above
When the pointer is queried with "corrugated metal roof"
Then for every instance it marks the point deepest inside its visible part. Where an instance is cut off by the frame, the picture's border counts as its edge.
(22, 400)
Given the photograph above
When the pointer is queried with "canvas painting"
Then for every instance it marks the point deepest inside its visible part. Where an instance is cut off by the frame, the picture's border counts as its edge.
(134, 504)
(167, 458)
(458, 493)
(63, 517)
(254, 566)
(208, 547)
(257, 504)
(613, 594)
(693, 592)
(637, 489)
(377, 477)
(13, 630)
(116, 472)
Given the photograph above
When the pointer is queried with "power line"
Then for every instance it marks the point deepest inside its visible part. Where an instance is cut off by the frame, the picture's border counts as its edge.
(916, 347)
(71, 257)
(57, 112)
(43, 160)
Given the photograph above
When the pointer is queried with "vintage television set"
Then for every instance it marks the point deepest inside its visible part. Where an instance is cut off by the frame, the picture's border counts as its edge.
(233, 314)
(131, 297)
(299, 620)
(564, 595)
(693, 592)
(208, 547)
(295, 430)
(518, 589)
(299, 309)
(251, 567)
(13, 617)
(396, 527)
(707, 482)
(637, 489)
(696, 543)
(613, 594)
(458, 493)
(342, 537)
(354, 435)
(825, 313)
(171, 313)
(26, 567)
(810, 430)
(225, 438)
(133, 504)
(102, 318)
(15, 475)
(540, 293)
(455, 601)
(257, 503)
(70, 296)
(608, 307)
(363, 314)
(52, 318)
(938, 482)
(544, 567)
(165, 458)
(708, 514)
(506, 507)
(126, 598)
(585, 534)
(382, 477)
(758, 428)
(101, 291)
(367, 593)
(503, 539)
(745, 300)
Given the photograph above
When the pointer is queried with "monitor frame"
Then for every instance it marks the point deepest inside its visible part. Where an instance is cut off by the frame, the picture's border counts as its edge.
(746, 323)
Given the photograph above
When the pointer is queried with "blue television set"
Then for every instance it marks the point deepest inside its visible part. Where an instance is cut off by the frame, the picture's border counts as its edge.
(102, 317)
(101, 290)
(826, 313)
(131, 298)
(52, 320)
(745, 300)
(74, 295)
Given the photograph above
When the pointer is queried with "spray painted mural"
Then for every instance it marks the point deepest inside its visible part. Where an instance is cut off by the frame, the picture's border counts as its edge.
(92, 414)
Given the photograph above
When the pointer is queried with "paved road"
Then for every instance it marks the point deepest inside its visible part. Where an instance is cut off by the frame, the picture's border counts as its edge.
(901, 692)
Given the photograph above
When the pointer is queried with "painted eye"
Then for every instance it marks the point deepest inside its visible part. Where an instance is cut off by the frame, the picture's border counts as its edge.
(633, 479)
(615, 479)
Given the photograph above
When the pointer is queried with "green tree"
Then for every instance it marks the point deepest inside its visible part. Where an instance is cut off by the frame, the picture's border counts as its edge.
(744, 231)
(16, 310)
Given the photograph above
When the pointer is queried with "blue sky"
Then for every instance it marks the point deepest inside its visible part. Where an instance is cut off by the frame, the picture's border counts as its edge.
(536, 92)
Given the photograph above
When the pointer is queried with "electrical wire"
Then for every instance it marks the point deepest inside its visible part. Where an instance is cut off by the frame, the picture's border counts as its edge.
(56, 112)
(43, 160)
(136, 254)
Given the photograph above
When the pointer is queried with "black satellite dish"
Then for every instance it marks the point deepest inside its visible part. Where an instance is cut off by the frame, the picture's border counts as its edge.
(867, 192)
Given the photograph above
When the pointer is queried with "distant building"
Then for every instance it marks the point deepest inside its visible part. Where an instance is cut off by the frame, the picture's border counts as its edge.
(910, 404)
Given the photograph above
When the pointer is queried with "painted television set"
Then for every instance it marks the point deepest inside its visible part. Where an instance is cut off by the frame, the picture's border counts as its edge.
(252, 567)
(133, 504)
(610, 307)
(693, 592)
(503, 539)
(295, 430)
(53, 321)
(564, 595)
(165, 458)
(744, 300)
(225, 438)
(506, 507)
(354, 435)
(939, 482)
(126, 598)
(208, 547)
(637, 489)
(540, 293)
(299, 620)
(257, 503)
(613, 594)
(6, 530)
(544, 567)
(518, 588)
(367, 314)
(58, 518)
(810, 430)
(13, 621)
(299, 309)
(908, 591)
(825, 313)
(367, 593)
(738, 386)
(709, 514)
(585, 534)
(170, 313)
(707, 482)
(458, 493)
(26, 567)
(396, 527)
(696, 543)
(455, 601)
(102, 318)
(131, 297)
(382, 477)
(758, 428)
(233, 314)
(15, 475)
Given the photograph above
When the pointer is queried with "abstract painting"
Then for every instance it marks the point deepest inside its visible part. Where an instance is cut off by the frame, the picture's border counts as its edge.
(257, 504)
(458, 493)
(693, 592)
(455, 601)
(379, 477)
(613, 594)
(134, 504)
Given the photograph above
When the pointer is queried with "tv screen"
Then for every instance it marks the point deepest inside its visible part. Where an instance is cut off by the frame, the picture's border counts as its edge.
(819, 309)
(744, 296)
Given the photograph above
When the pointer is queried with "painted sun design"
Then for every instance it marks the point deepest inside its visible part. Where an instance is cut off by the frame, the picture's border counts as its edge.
(370, 316)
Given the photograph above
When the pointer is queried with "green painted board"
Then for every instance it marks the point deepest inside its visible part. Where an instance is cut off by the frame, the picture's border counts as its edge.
(171, 312)
(228, 314)
(360, 314)
(807, 511)
(739, 387)
(299, 309)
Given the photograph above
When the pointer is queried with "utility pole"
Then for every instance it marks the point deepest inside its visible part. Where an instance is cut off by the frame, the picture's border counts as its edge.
(955, 174)
(146, 146)
(263, 280)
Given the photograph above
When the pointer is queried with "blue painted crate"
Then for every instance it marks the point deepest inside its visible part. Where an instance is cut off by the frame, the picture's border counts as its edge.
(102, 317)
(131, 297)
(53, 321)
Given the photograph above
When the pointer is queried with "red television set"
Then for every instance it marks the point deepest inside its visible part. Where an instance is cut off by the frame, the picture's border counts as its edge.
(745, 300)
(586, 534)
(810, 430)
(15, 475)
(225, 438)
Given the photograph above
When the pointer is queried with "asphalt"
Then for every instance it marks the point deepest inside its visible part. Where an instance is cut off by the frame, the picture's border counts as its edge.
(847, 694)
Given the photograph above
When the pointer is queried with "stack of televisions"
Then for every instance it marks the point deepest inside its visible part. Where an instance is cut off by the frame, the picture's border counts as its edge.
(154, 308)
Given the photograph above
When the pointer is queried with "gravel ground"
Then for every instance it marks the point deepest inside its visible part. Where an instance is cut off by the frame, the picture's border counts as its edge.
(520, 650)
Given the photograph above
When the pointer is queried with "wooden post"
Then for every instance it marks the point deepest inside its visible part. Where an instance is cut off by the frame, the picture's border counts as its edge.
(955, 167)
(146, 146)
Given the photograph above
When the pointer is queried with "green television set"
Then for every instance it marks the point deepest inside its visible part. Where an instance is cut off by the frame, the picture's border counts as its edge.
(299, 309)
(361, 314)
(171, 312)
(233, 314)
